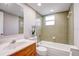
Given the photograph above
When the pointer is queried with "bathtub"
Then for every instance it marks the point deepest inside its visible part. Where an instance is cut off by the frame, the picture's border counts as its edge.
(57, 49)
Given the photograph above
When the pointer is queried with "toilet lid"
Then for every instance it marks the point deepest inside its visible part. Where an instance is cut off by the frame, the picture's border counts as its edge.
(41, 48)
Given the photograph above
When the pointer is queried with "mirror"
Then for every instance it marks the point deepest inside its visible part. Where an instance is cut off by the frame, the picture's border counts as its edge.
(11, 19)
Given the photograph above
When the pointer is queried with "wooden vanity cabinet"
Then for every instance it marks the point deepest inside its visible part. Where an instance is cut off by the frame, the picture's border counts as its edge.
(28, 51)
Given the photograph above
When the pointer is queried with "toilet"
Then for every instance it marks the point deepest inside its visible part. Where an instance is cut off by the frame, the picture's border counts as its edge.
(41, 51)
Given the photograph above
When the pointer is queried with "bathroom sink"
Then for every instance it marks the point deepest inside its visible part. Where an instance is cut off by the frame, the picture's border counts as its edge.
(14, 45)
(17, 44)
(2, 46)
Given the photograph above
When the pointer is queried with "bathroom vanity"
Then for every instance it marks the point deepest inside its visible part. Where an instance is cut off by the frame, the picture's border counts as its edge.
(27, 51)
(23, 47)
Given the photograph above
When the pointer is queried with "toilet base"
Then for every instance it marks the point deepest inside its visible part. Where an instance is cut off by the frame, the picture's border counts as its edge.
(41, 51)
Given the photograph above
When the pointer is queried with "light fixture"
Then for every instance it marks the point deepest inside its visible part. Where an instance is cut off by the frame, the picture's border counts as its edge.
(52, 10)
(39, 4)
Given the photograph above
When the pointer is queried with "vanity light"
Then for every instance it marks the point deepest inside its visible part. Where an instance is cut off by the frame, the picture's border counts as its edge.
(39, 4)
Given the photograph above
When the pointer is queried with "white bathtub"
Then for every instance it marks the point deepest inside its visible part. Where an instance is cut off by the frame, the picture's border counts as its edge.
(57, 49)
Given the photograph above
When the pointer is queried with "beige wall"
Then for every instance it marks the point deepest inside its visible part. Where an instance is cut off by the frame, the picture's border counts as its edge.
(71, 25)
(59, 30)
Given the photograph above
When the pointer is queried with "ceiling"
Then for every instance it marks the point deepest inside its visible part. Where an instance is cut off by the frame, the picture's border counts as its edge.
(45, 8)
(11, 8)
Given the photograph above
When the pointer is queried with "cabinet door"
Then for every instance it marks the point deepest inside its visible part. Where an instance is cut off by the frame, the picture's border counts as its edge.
(1, 23)
(28, 51)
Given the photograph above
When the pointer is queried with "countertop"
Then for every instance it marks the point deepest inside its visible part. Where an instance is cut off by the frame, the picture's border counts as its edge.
(14, 47)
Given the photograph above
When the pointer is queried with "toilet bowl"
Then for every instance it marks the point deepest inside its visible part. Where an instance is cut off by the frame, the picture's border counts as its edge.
(42, 51)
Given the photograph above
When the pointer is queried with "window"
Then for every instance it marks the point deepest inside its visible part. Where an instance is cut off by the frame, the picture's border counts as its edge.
(50, 20)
